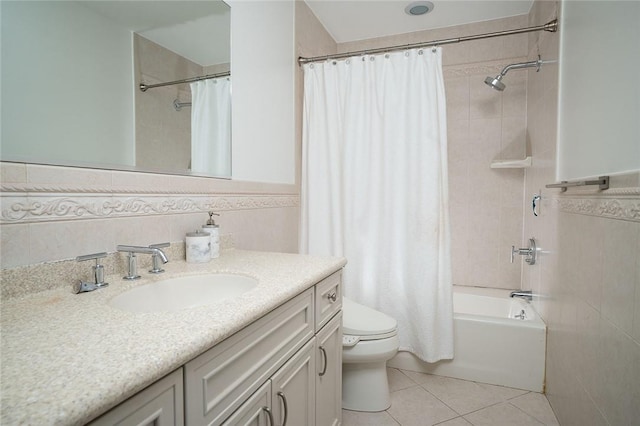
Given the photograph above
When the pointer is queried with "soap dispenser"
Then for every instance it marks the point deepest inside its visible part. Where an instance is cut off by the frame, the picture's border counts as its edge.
(214, 234)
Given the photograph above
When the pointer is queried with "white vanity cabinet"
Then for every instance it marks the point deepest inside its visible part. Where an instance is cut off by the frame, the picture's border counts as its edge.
(297, 349)
(329, 373)
(283, 369)
(294, 388)
(221, 379)
(288, 398)
(159, 404)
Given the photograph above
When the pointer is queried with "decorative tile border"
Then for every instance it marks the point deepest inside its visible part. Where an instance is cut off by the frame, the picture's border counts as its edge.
(43, 207)
(626, 206)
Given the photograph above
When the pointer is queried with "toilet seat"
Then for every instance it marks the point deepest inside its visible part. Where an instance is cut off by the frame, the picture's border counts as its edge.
(360, 323)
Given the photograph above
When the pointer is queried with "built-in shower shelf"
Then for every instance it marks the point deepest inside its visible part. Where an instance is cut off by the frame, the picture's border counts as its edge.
(511, 164)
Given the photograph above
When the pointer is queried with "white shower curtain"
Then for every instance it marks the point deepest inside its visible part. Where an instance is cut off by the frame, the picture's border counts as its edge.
(211, 126)
(374, 188)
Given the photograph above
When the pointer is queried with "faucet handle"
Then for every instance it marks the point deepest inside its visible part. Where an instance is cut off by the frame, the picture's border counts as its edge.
(98, 272)
(159, 245)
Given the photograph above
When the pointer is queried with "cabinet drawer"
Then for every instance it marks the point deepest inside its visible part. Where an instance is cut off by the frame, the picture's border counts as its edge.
(218, 381)
(160, 403)
(328, 299)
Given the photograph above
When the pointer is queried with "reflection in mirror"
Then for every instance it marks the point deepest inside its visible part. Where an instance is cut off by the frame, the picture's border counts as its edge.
(71, 73)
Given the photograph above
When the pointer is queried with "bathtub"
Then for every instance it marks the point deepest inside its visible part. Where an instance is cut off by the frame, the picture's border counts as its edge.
(498, 340)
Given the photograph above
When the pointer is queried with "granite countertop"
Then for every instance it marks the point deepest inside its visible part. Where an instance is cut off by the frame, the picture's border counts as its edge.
(67, 358)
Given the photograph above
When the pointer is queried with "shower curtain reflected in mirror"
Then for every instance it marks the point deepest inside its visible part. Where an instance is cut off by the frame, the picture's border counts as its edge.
(374, 188)
(211, 126)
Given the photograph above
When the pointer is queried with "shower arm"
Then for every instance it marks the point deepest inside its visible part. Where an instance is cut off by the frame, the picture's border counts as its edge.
(521, 65)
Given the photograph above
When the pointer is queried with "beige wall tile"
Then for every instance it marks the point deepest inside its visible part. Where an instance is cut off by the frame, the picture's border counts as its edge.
(14, 245)
(618, 394)
(51, 175)
(13, 173)
(457, 93)
(484, 101)
(589, 277)
(619, 273)
(250, 232)
(142, 231)
(68, 239)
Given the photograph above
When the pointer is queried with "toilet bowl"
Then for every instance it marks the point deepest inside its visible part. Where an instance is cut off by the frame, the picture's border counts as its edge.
(369, 341)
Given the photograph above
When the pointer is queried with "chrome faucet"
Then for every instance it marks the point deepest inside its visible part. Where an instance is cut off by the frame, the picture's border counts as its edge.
(132, 273)
(155, 264)
(525, 294)
(98, 274)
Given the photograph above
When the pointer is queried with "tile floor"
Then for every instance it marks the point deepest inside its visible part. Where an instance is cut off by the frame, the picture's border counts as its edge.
(424, 399)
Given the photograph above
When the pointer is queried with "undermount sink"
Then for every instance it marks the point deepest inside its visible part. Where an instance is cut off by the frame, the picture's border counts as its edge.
(183, 292)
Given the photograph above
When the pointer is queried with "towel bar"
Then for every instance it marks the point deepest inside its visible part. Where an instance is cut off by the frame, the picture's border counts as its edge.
(602, 182)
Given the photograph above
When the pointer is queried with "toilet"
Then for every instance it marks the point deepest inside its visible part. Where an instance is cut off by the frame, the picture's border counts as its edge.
(369, 341)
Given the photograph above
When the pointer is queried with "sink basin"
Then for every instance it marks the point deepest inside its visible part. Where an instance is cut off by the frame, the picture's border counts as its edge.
(183, 292)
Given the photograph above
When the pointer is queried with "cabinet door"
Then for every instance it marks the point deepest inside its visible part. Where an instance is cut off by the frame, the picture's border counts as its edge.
(159, 404)
(293, 387)
(221, 379)
(329, 373)
(255, 411)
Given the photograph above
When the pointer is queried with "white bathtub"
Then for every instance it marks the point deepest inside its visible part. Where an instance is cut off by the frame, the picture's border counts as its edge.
(491, 344)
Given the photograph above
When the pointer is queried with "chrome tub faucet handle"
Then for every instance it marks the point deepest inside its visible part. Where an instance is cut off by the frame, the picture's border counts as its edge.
(530, 252)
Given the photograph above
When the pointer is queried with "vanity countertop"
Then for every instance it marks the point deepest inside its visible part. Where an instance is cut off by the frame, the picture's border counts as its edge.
(67, 358)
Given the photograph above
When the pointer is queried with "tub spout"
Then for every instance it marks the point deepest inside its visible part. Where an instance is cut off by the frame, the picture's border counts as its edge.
(525, 294)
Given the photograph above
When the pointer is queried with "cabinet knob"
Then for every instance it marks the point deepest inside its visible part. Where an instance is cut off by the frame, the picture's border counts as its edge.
(332, 297)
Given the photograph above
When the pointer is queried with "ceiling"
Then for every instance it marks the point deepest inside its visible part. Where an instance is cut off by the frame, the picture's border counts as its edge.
(178, 25)
(351, 20)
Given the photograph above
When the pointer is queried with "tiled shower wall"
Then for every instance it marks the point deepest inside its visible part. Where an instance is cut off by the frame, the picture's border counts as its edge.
(587, 279)
(483, 126)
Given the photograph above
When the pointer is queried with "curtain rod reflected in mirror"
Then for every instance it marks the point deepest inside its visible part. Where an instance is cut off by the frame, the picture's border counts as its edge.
(145, 87)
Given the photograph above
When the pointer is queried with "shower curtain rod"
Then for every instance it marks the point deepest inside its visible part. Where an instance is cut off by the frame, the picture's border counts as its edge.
(145, 87)
(551, 26)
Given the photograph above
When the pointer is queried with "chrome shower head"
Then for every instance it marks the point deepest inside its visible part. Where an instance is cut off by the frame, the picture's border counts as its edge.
(495, 83)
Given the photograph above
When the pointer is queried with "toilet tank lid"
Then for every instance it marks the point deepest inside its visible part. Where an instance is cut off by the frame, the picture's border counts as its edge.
(362, 320)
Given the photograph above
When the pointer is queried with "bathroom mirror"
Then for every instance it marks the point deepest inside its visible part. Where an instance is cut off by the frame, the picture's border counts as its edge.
(70, 78)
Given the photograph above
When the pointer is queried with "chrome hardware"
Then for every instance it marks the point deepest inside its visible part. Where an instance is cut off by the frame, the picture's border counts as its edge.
(98, 274)
(332, 297)
(534, 203)
(602, 182)
(155, 260)
(132, 270)
(529, 252)
(525, 294)
(522, 315)
(82, 287)
(325, 362)
(284, 407)
(271, 423)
